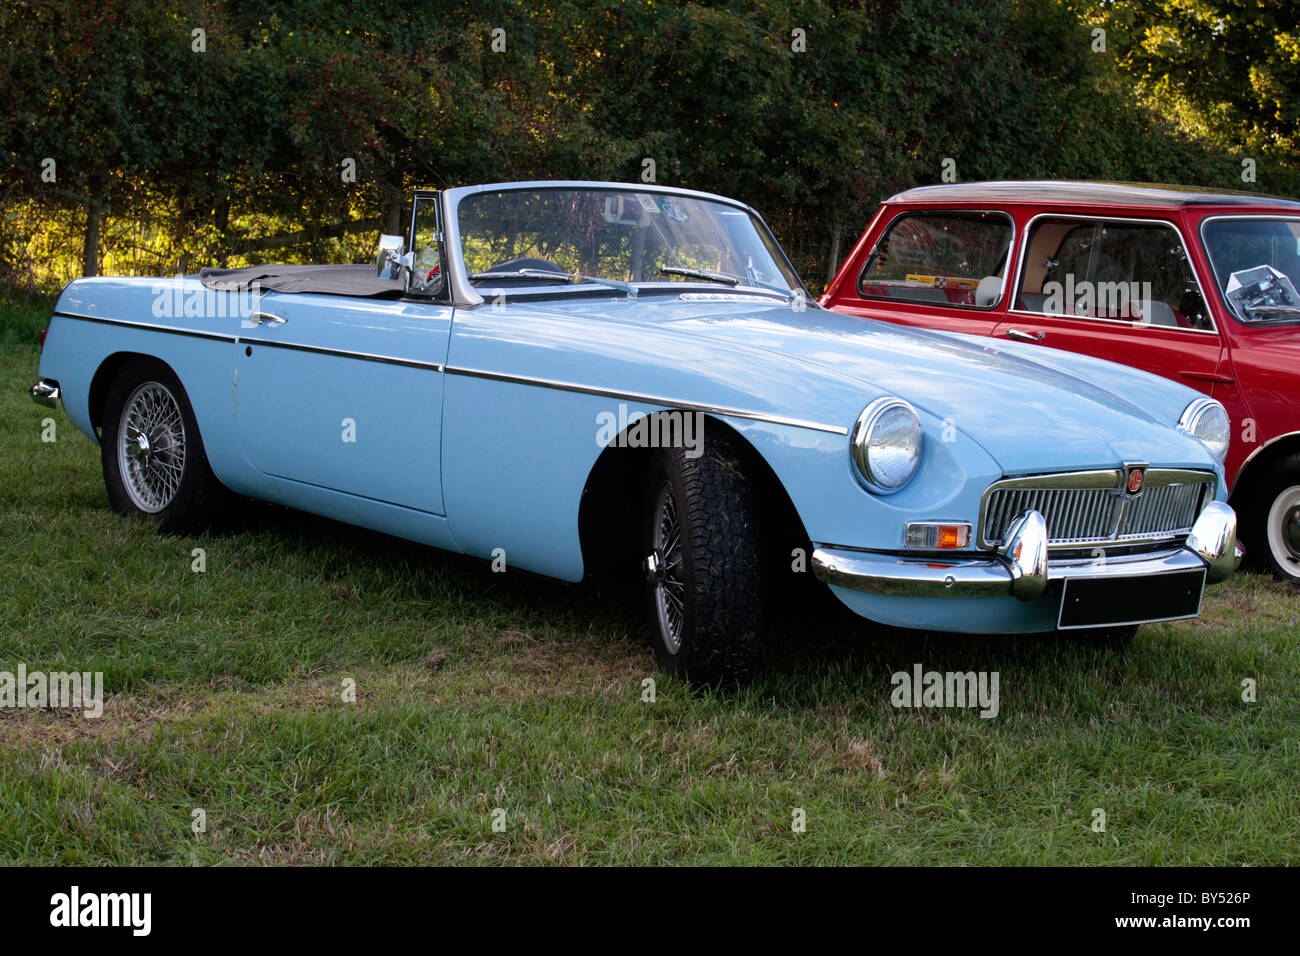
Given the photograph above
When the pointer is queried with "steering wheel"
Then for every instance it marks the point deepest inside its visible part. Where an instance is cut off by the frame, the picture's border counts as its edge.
(525, 262)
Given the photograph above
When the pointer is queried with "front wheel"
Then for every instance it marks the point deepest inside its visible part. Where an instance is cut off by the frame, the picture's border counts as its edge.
(702, 564)
(152, 456)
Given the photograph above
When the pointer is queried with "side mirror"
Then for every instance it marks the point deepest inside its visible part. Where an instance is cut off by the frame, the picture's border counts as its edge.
(389, 260)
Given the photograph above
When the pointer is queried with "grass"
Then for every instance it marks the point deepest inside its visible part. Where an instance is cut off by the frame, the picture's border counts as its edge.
(477, 691)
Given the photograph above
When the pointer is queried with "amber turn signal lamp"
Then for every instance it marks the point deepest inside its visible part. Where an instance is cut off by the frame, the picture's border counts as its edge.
(937, 536)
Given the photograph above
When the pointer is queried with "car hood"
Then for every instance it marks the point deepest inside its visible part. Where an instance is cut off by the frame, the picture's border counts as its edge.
(1030, 408)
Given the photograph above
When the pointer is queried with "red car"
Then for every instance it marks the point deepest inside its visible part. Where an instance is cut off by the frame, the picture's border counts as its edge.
(1195, 285)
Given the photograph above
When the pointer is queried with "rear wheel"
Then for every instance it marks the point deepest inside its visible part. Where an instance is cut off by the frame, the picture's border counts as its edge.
(151, 452)
(1274, 533)
(702, 564)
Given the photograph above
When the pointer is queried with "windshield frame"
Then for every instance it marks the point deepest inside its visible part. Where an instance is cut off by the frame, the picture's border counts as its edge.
(468, 295)
(1214, 276)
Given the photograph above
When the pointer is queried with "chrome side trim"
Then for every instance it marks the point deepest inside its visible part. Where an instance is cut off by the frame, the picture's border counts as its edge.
(645, 399)
(481, 373)
(1024, 251)
(343, 353)
(45, 392)
(241, 340)
(150, 326)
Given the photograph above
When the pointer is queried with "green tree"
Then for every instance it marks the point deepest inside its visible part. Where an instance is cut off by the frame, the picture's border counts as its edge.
(1228, 71)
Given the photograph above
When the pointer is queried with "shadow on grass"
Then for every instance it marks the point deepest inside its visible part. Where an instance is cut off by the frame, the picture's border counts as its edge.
(305, 533)
(812, 643)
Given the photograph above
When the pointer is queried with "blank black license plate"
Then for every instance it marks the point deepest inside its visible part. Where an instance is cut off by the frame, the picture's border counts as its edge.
(1109, 602)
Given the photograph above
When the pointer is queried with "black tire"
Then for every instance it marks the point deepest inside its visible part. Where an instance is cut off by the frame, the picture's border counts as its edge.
(715, 569)
(1272, 522)
(1109, 638)
(175, 455)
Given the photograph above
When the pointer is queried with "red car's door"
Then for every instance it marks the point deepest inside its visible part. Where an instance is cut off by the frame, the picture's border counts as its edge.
(1120, 289)
(938, 268)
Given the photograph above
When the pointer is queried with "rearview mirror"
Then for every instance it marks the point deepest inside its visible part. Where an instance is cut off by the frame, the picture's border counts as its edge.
(389, 260)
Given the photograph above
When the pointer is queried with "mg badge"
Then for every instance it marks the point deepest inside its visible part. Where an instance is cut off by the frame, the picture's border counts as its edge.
(1135, 477)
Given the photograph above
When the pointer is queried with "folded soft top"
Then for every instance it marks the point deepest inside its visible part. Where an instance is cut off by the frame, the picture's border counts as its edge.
(329, 280)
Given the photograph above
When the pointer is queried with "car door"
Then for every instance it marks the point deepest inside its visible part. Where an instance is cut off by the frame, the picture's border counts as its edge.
(938, 268)
(1118, 288)
(345, 393)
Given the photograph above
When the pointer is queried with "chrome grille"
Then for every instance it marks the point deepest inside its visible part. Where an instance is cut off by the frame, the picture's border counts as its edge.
(1095, 510)
(1164, 510)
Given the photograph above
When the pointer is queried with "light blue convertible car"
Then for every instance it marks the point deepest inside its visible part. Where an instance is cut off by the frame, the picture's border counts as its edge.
(566, 377)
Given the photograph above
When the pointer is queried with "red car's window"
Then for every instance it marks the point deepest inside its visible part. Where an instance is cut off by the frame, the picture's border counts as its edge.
(1111, 269)
(1256, 261)
(955, 258)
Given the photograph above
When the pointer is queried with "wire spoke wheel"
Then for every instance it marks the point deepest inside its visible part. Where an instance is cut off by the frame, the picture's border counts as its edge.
(151, 447)
(670, 583)
(703, 575)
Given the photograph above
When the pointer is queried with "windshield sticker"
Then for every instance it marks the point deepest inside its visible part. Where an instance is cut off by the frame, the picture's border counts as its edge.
(673, 210)
(941, 282)
(647, 203)
(621, 211)
(1262, 293)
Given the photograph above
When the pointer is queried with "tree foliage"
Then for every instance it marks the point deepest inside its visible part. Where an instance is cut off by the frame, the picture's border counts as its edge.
(811, 110)
(1226, 70)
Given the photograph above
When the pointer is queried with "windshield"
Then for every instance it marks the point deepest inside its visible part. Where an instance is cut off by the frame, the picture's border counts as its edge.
(556, 236)
(1257, 266)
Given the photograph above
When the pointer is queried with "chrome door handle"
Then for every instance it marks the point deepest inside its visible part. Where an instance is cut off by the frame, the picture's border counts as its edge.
(257, 318)
(1026, 336)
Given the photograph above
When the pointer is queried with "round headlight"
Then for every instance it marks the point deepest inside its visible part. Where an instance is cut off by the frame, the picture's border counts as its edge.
(887, 445)
(1206, 420)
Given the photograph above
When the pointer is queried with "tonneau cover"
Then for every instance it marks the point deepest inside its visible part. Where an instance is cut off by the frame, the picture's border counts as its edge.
(328, 280)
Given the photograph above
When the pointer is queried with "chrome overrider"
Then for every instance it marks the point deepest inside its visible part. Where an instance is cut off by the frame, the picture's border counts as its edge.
(1021, 566)
(46, 393)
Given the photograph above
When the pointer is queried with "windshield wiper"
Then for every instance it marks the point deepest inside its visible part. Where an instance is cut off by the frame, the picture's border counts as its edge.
(705, 274)
(546, 274)
(726, 278)
(1267, 313)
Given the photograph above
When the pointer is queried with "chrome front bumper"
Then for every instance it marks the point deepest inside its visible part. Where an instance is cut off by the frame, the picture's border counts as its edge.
(46, 393)
(1021, 567)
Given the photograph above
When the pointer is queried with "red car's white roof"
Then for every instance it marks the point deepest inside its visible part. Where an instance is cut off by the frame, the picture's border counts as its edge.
(1050, 191)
